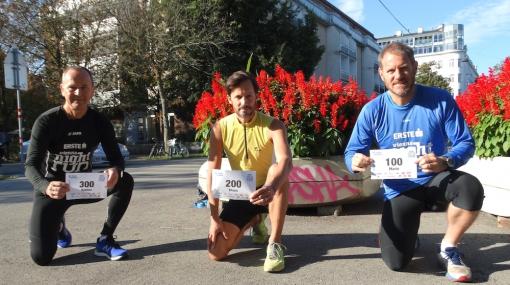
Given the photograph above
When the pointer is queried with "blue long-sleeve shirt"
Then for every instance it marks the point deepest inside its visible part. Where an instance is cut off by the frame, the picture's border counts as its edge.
(426, 123)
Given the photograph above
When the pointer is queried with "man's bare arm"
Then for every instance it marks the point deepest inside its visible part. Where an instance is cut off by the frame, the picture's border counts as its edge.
(278, 134)
(214, 162)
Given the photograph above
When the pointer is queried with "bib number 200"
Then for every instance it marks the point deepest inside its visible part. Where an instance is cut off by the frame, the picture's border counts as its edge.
(233, 183)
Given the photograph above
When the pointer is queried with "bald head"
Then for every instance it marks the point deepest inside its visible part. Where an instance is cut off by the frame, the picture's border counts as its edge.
(77, 89)
(79, 69)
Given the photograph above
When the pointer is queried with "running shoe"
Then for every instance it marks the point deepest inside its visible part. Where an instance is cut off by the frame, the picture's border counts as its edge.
(456, 270)
(64, 238)
(108, 248)
(275, 259)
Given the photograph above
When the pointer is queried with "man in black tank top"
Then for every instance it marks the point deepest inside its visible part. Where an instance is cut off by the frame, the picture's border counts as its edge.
(63, 140)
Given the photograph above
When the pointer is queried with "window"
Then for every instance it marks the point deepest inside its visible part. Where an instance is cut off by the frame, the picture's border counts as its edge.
(438, 37)
(452, 78)
(451, 63)
(450, 46)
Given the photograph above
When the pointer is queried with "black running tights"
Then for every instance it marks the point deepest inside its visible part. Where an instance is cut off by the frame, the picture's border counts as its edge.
(47, 215)
(401, 215)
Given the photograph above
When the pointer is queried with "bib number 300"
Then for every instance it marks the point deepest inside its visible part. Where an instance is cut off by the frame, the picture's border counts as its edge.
(86, 184)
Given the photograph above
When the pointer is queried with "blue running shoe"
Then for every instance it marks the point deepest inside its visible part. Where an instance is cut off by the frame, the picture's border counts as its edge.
(64, 237)
(109, 249)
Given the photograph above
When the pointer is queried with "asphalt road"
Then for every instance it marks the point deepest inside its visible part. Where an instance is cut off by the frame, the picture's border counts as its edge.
(165, 236)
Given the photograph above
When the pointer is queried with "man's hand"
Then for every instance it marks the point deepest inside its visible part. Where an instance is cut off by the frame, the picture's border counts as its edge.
(112, 176)
(215, 229)
(263, 196)
(360, 162)
(57, 189)
(431, 163)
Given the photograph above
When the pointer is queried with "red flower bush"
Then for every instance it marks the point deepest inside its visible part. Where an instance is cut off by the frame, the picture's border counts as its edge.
(319, 114)
(486, 108)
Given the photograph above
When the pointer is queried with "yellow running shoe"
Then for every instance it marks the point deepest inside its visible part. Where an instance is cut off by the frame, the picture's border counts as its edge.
(275, 261)
(259, 234)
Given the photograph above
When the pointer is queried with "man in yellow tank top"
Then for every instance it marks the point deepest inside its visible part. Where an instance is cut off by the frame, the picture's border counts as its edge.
(249, 139)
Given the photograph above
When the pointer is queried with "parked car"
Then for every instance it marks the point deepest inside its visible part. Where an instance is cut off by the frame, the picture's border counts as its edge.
(24, 150)
(98, 157)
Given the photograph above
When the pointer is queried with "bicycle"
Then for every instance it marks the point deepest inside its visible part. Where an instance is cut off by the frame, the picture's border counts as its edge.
(158, 149)
(178, 148)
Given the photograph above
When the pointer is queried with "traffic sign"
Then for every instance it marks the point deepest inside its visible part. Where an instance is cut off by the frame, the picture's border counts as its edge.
(16, 77)
(15, 70)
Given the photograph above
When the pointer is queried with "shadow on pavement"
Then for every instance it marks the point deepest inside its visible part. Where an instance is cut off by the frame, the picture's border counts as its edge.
(483, 252)
(134, 254)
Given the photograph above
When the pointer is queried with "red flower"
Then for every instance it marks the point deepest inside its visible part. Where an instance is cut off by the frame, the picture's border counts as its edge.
(314, 106)
(486, 107)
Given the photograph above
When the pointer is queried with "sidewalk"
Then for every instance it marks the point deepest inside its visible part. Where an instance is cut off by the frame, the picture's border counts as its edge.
(165, 237)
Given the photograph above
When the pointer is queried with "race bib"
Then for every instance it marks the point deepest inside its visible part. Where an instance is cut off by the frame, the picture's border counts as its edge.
(233, 184)
(86, 185)
(395, 163)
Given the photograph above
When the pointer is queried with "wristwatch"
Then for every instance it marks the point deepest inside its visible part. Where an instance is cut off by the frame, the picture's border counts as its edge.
(448, 161)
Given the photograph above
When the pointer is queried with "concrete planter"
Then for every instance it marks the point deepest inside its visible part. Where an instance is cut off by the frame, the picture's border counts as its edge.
(319, 182)
(492, 173)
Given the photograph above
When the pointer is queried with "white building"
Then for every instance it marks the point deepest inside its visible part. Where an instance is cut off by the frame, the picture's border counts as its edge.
(445, 46)
(350, 49)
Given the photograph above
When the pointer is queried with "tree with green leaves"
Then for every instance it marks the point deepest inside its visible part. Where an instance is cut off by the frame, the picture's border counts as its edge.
(275, 31)
(426, 75)
(170, 45)
(54, 34)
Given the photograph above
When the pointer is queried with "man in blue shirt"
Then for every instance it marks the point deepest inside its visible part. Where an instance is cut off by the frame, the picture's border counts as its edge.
(427, 121)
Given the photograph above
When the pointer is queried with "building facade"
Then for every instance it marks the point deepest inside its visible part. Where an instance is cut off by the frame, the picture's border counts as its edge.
(444, 46)
(350, 50)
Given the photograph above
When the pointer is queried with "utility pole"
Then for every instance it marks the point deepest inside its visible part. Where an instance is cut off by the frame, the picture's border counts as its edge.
(16, 77)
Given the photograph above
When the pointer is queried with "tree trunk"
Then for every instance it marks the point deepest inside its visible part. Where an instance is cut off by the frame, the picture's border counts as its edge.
(162, 101)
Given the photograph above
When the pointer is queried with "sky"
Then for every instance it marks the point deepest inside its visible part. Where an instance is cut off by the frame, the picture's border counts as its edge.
(486, 22)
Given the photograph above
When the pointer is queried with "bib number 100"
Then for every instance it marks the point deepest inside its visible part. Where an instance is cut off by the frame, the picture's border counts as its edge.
(233, 183)
(394, 161)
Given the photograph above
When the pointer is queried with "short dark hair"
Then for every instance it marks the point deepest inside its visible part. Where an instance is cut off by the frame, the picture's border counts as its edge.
(80, 68)
(398, 48)
(238, 77)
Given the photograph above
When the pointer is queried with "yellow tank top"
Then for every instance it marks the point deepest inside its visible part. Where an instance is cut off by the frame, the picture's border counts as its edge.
(248, 146)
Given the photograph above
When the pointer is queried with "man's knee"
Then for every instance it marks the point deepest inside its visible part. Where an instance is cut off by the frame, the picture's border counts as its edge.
(470, 193)
(216, 255)
(41, 259)
(124, 187)
(395, 262)
(41, 256)
(396, 265)
(219, 251)
(127, 182)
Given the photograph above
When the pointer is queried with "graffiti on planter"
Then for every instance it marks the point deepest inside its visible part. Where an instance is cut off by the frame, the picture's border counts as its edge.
(317, 184)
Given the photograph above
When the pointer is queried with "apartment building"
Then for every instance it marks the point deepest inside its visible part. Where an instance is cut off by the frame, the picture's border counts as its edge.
(445, 46)
(350, 50)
